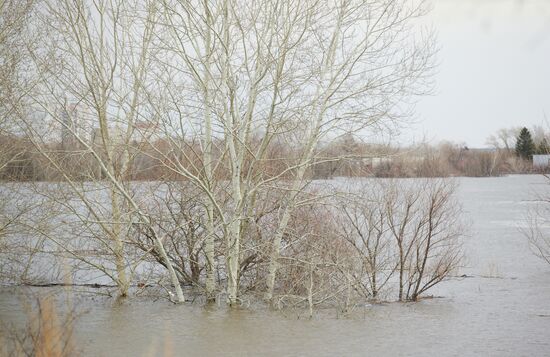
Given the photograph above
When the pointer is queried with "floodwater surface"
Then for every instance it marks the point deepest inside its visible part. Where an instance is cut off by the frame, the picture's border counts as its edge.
(502, 307)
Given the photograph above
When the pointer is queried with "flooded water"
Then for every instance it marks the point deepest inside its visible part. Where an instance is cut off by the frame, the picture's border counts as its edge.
(501, 309)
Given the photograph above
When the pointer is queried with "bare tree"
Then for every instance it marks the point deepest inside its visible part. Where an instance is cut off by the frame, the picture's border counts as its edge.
(365, 226)
(504, 138)
(438, 249)
(15, 27)
(292, 72)
(425, 223)
(536, 231)
(316, 264)
(404, 233)
(231, 100)
(539, 241)
(92, 90)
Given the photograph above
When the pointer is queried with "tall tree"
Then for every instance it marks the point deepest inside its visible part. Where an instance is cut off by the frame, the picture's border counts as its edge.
(525, 147)
(101, 60)
(272, 72)
(225, 84)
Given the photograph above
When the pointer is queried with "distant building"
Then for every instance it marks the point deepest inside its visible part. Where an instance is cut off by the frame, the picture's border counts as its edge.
(69, 121)
(540, 161)
(72, 120)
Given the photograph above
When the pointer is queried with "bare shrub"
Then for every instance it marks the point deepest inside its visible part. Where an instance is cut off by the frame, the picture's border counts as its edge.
(407, 232)
(314, 261)
(436, 249)
(363, 224)
(538, 223)
(177, 211)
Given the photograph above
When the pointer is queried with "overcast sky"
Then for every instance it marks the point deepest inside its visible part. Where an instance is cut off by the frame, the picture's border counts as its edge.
(494, 69)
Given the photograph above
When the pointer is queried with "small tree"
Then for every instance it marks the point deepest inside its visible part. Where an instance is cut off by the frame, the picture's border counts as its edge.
(538, 219)
(525, 147)
(544, 147)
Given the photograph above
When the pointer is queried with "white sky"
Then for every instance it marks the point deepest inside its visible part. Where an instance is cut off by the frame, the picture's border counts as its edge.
(494, 70)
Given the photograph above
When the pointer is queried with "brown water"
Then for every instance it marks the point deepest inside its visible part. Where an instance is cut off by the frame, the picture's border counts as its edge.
(502, 310)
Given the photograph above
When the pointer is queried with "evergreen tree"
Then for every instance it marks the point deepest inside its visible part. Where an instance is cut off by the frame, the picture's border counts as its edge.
(525, 147)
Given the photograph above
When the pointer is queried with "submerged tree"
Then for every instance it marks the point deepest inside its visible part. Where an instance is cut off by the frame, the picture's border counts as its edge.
(91, 89)
(538, 220)
(267, 74)
(231, 97)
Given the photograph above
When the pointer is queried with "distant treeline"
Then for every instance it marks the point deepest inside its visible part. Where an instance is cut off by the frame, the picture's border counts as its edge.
(344, 157)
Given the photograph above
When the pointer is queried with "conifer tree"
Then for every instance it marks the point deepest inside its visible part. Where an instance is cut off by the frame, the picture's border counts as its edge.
(525, 147)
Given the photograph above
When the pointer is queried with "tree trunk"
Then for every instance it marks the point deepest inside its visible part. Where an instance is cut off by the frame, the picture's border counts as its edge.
(122, 280)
